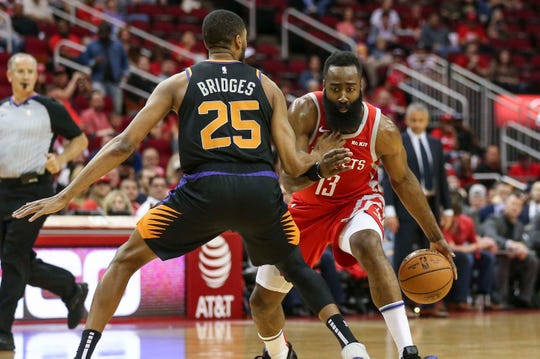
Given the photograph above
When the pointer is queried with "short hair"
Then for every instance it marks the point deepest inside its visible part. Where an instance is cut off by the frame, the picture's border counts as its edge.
(220, 28)
(17, 56)
(156, 177)
(342, 58)
(416, 106)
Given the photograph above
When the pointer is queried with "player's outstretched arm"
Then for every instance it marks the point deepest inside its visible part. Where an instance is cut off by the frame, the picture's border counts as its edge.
(389, 147)
(160, 102)
(293, 162)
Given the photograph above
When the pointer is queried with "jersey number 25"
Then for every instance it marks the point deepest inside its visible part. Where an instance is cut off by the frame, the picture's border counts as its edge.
(233, 114)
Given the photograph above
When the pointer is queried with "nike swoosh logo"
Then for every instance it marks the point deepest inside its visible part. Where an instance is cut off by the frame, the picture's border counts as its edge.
(321, 129)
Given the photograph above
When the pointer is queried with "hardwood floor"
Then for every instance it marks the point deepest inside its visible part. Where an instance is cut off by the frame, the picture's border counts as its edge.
(476, 336)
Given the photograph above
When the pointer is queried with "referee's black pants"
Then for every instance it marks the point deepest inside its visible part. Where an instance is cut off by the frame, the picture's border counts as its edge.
(18, 259)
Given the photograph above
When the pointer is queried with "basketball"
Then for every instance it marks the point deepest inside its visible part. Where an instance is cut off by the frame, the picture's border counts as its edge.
(425, 276)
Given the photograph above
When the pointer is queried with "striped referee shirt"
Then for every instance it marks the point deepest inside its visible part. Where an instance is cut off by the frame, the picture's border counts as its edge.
(28, 131)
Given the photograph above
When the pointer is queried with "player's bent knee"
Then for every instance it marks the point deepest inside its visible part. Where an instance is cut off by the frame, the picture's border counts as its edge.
(263, 302)
(365, 243)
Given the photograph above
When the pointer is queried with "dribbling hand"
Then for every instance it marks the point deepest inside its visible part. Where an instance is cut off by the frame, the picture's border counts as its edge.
(442, 246)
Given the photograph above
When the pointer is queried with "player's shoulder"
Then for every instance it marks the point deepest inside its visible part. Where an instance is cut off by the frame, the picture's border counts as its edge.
(173, 84)
(388, 136)
(305, 104)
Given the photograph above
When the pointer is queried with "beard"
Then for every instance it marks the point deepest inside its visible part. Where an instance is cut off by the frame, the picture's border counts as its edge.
(243, 54)
(343, 122)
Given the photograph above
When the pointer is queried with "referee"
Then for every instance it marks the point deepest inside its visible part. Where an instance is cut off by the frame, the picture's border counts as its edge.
(29, 125)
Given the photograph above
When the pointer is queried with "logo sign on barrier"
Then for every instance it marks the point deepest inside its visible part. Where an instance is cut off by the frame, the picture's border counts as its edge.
(157, 289)
(214, 279)
(523, 109)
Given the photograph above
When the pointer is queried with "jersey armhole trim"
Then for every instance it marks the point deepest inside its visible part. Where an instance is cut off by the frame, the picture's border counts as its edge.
(312, 96)
(189, 72)
(374, 132)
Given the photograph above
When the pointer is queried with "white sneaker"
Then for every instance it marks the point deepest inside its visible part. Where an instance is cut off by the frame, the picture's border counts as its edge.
(354, 351)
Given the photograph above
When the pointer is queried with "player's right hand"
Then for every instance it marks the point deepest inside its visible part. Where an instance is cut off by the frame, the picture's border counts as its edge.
(442, 246)
(328, 141)
(41, 207)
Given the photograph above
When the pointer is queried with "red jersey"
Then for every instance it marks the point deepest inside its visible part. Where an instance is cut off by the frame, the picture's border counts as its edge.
(322, 210)
(363, 179)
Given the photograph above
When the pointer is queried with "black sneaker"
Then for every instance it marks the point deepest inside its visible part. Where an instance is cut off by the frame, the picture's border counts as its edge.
(6, 342)
(290, 355)
(76, 305)
(411, 352)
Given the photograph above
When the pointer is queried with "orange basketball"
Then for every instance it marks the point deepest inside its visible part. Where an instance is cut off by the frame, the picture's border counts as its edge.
(425, 276)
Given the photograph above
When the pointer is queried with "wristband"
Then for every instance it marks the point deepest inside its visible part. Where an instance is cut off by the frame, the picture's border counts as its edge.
(314, 172)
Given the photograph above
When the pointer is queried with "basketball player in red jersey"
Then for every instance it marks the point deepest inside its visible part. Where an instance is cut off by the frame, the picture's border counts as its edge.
(346, 210)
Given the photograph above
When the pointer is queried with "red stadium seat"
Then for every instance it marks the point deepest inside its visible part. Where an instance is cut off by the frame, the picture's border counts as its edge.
(330, 21)
(297, 66)
(162, 28)
(518, 60)
(5, 91)
(535, 61)
(268, 50)
(37, 47)
(274, 67)
(139, 24)
(519, 44)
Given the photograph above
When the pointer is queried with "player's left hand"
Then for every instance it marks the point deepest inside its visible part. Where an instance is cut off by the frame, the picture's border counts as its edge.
(41, 207)
(334, 162)
(52, 165)
(442, 246)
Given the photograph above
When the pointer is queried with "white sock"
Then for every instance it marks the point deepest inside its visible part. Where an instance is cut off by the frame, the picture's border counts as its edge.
(398, 324)
(276, 345)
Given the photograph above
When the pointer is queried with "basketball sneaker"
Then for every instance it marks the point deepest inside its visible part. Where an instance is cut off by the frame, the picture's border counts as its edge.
(354, 351)
(411, 352)
(6, 342)
(75, 305)
(290, 355)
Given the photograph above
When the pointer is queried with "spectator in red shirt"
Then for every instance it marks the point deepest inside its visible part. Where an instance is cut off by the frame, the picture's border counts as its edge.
(160, 140)
(188, 42)
(98, 191)
(95, 122)
(471, 31)
(472, 253)
(448, 136)
(347, 26)
(464, 170)
(525, 169)
(63, 32)
(398, 98)
(473, 61)
(88, 17)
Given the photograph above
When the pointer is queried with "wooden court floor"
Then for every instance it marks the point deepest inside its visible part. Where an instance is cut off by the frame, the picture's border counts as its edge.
(475, 336)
